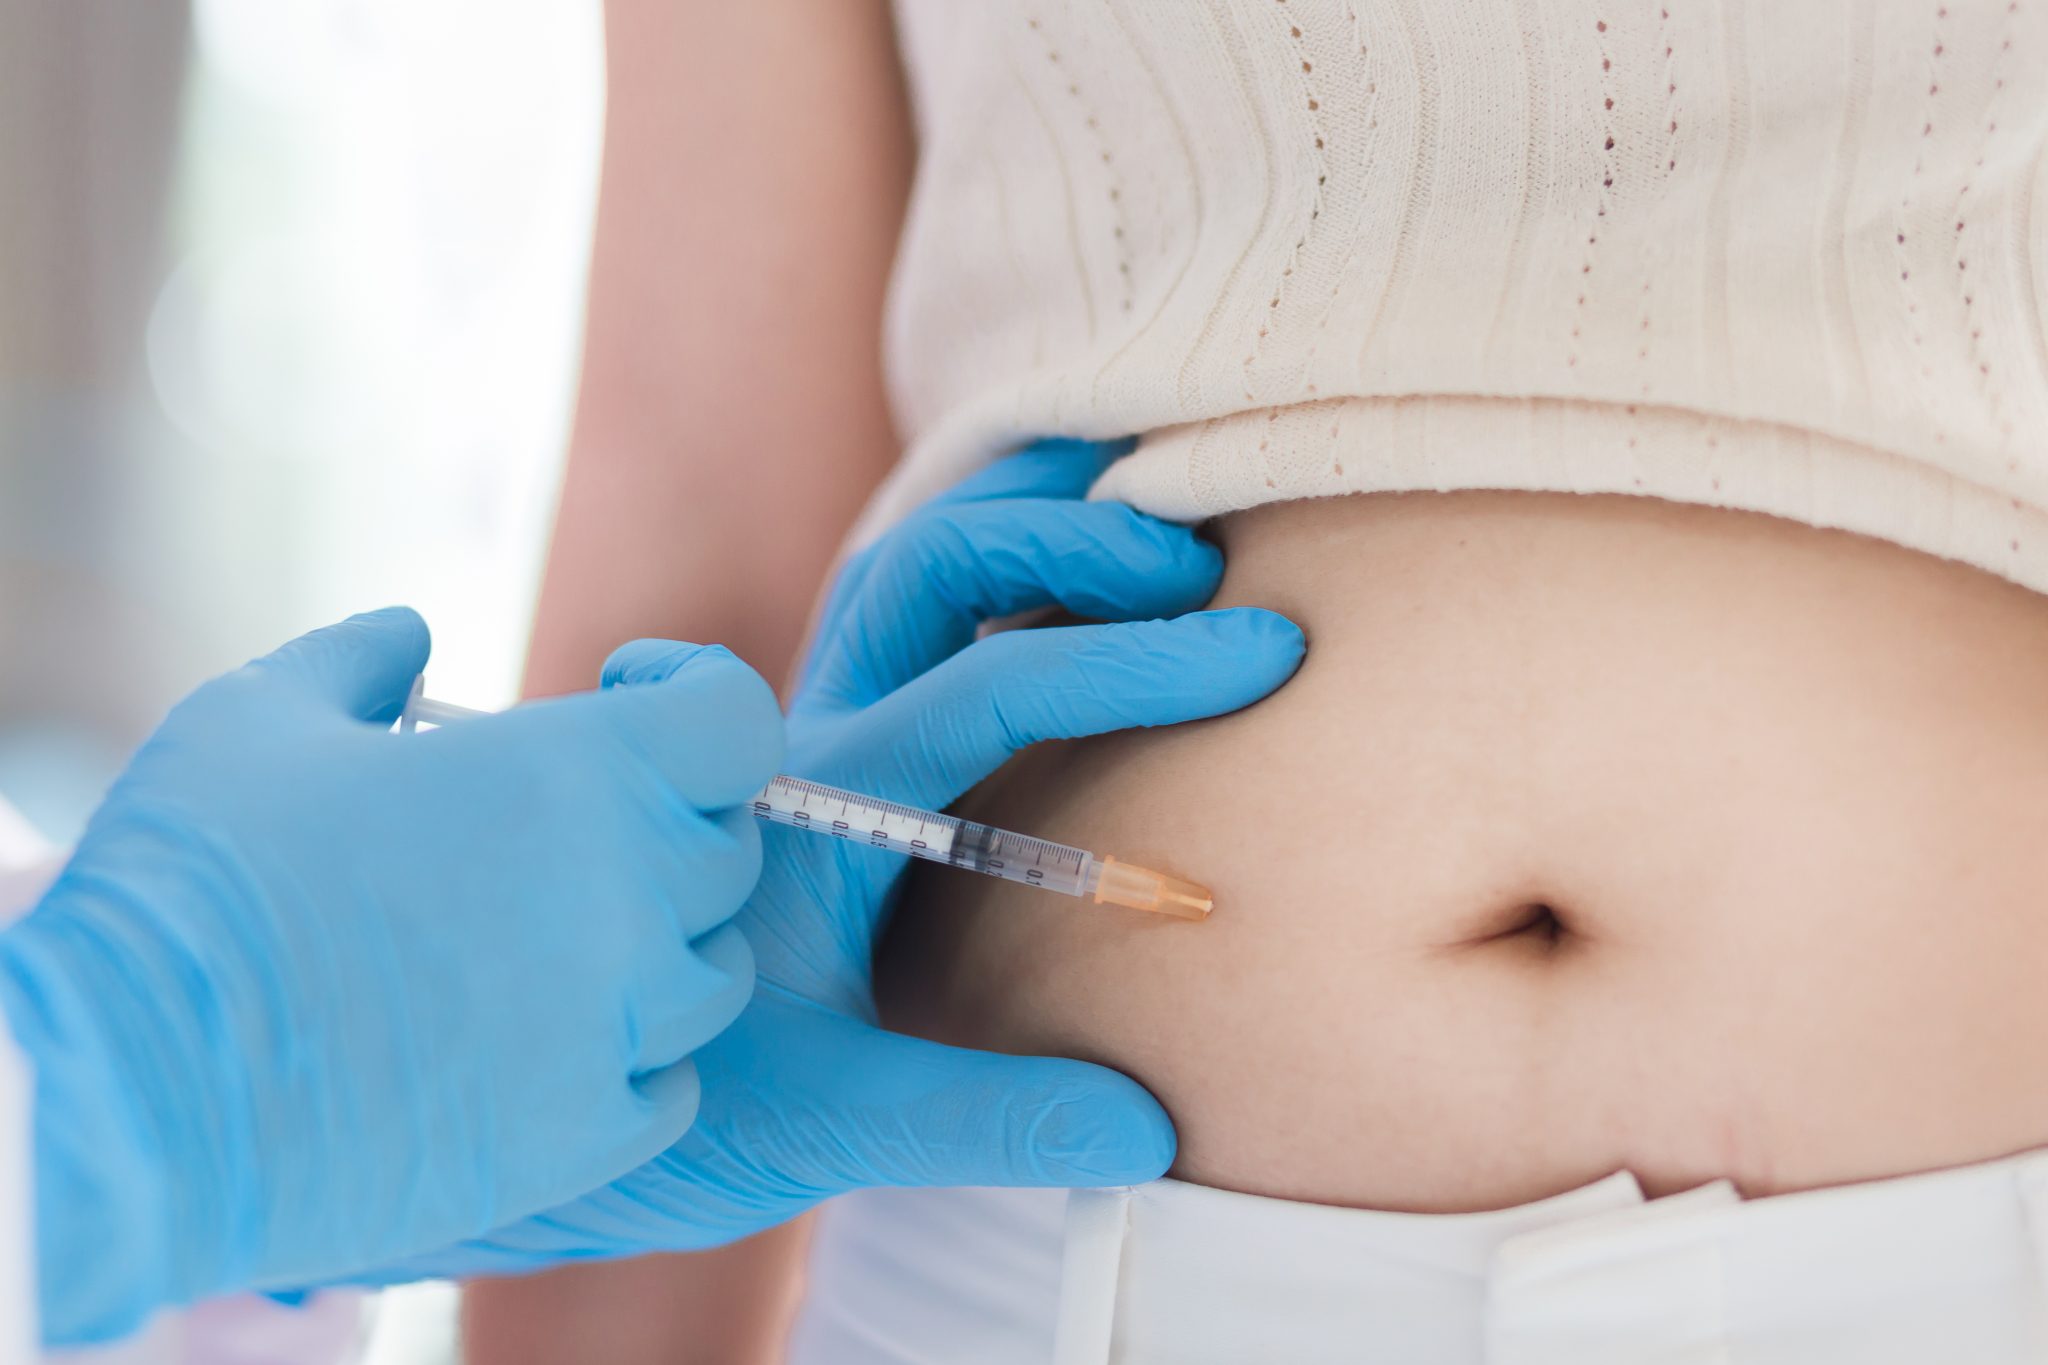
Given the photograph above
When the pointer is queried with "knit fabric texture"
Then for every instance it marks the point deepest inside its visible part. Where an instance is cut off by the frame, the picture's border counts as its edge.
(1789, 256)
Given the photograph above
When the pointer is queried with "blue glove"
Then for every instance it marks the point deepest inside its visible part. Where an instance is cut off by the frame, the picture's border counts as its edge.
(805, 1097)
(311, 996)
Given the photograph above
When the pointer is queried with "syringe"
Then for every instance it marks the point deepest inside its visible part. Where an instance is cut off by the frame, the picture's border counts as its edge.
(875, 823)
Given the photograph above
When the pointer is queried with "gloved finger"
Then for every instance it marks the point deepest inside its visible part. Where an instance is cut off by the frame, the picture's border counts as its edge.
(653, 1110)
(799, 1104)
(947, 571)
(643, 1116)
(363, 667)
(849, 1105)
(704, 722)
(930, 741)
(1056, 467)
(686, 994)
(712, 980)
(706, 868)
(650, 1114)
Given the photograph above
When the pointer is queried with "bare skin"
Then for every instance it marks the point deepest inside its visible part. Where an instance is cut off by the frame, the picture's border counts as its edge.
(1595, 834)
(1778, 784)
(731, 422)
(732, 417)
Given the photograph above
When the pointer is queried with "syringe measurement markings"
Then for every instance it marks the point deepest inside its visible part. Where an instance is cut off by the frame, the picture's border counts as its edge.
(880, 807)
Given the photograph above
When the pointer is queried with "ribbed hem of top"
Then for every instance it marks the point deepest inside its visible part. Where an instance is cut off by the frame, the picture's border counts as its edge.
(1448, 443)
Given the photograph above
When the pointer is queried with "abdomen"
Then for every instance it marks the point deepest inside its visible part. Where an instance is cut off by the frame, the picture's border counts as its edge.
(1595, 833)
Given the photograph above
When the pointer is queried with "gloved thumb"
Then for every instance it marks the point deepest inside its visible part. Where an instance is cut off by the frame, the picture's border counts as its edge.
(903, 1111)
(641, 663)
(363, 667)
(701, 716)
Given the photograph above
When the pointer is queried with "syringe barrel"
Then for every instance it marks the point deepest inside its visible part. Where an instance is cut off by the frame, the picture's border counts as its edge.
(937, 838)
(924, 834)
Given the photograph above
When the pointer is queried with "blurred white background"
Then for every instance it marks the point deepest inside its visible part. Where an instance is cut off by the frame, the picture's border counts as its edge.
(289, 305)
(290, 331)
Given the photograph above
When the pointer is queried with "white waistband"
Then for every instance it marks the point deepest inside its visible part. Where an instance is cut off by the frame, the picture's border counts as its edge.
(1945, 1266)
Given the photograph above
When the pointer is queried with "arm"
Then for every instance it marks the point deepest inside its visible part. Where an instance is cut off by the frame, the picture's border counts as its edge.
(757, 158)
(731, 1306)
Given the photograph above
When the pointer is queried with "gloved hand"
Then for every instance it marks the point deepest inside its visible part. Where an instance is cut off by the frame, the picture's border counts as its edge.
(805, 1097)
(311, 996)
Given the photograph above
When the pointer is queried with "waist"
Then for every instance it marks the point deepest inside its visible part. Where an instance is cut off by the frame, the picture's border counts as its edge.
(1596, 833)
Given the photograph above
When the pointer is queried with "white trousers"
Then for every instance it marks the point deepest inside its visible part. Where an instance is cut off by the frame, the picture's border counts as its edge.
(1942, 1267)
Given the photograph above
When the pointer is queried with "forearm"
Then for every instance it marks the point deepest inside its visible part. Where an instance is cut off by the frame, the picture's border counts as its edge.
(730, 424)
(725, 1307)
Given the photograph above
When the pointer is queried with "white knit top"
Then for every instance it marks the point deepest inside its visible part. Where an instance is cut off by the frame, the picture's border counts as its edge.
(1782, 255)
